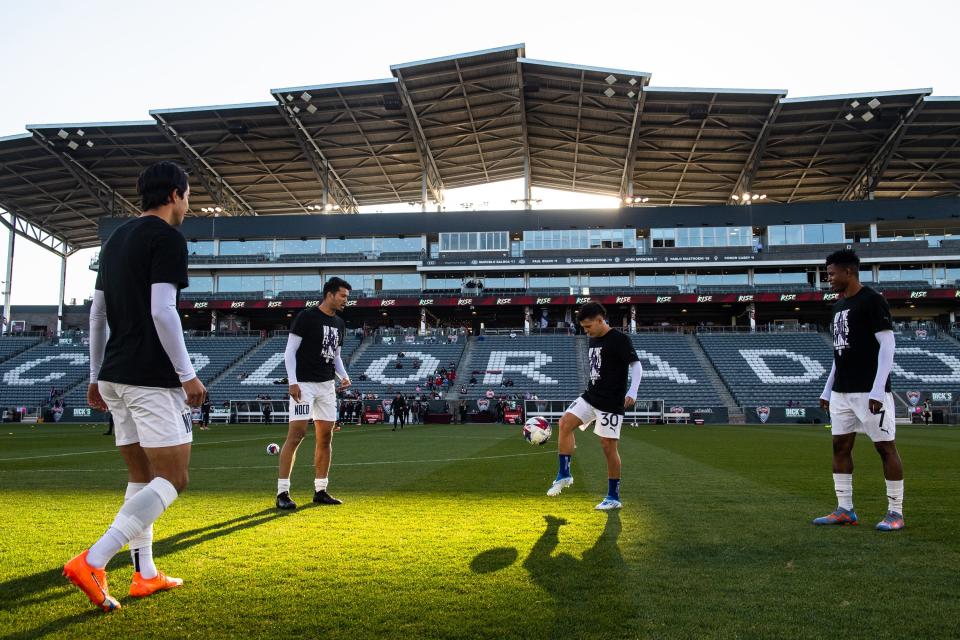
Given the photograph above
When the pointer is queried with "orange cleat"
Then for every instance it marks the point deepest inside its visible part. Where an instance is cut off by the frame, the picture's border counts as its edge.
(141, 586)
(92, 581)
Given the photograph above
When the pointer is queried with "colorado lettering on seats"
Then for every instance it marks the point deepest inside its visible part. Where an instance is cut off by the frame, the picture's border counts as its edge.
(704, 298)
(918, 294)
(744, 298)
(464, 302)
(237, 305)
(200, 305)
(424, 302)
(547, 300)
(664, 298)
(787, 297)
(622, 299)
(504, 300)
(274, 303)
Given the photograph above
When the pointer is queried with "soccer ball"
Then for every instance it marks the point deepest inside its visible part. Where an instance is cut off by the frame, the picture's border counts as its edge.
(536, 430)
(273, 449)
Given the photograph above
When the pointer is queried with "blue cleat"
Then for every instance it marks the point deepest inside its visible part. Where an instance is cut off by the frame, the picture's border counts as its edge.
(893, 521)
(840, 516)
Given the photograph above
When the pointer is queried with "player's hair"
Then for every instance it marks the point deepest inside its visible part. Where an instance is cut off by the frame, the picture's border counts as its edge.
(591, 310)
(844, 258)
(333, 285)
(157, 181)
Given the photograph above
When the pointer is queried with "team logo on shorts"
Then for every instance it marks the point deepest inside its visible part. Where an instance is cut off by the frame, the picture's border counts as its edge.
(301, 409)
(913, 397)
(764, 414)
(483, 405)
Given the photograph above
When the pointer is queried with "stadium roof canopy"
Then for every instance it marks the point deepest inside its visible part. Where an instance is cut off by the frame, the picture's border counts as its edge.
(482, 117)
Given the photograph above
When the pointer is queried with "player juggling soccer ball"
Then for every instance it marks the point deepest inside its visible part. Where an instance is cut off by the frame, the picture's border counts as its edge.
(857, 392)
(144, 376)
(313, 361)
(612, 356)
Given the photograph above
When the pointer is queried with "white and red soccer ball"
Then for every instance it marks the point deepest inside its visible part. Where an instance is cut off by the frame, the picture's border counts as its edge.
(536, 430)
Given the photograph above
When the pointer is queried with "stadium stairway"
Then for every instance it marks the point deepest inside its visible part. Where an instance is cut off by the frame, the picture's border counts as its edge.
(734, 410)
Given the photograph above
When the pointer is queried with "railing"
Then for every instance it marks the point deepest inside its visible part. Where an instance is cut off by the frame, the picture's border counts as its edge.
(763, 328)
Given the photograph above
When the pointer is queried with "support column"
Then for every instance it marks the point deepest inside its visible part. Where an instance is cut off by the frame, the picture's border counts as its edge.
(752, 310)
(423, 321)
(527, 190)
(325, 198)
(7, 288)
(213, 321)
(633, 318)
(873, 232)
(527, 320)
(423, 192)
(953, 317)
(63, 288)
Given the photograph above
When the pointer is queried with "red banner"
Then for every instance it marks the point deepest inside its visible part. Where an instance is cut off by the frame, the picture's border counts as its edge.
(506, 301)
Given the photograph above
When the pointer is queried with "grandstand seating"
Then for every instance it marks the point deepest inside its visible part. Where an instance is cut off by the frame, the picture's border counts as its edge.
(770, 368)
(672, 372)
(421, 360)
(543, 365)
(28, 377)
(11, 346)
(930, 365)
(260, 373)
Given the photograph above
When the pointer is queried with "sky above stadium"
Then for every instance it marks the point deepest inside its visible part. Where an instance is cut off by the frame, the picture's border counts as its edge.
(106, 60)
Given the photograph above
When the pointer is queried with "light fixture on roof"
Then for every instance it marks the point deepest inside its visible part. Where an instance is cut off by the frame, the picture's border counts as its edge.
(218, 209)
(873, 104)
(610, 79)
(854, 104)
(89, 143)
(312, 109)
(868, 116)
(81, 132)
(305, 96)
(73, 145)
(609, 92)
(848, 117)
(328, 207)
(63, 134)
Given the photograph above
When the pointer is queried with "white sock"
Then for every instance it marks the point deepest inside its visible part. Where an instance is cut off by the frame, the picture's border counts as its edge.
(135, 516)
(141, 546)
(895, 496)
(283, 484)
(843, 485)
(320, 484)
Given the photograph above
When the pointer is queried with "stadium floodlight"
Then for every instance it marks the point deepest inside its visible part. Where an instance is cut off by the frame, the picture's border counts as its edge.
(755, 196)
(867, 117)
(328, 206)
(218, 209)
(745, 196)
(763, 196)
(735, 196)
(873, 104)
(628, 200)
(645, 199)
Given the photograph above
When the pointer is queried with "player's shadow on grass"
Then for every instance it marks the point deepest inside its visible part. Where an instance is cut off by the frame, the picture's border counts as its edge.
(587, 593)
(33, 589)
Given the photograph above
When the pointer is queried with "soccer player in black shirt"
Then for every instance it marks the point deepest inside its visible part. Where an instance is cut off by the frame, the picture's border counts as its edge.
(612, 356)
(857, 392)
(143, 375)
(313, 361)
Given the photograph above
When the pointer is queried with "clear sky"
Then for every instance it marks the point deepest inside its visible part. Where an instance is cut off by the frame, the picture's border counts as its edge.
(67, 61)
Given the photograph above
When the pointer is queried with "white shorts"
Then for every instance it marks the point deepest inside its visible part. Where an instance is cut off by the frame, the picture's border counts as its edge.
(850, 413)
(152, 416)
(607, 424)
(318, 401)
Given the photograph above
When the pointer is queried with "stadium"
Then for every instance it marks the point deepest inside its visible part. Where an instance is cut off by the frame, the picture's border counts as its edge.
(713, 265)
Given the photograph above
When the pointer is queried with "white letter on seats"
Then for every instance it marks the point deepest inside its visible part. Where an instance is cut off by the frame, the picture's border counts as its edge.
(756, 359)
(530, 369)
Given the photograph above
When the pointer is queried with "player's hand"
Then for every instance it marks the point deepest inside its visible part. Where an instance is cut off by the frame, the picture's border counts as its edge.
(195, 391)
(295, 392)
(876, 407)
(628, 402)
(824, 404)
(94, 399)
(344, 383)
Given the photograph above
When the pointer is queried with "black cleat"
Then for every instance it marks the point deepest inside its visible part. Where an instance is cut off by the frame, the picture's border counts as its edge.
(284, 501)
(322, 497)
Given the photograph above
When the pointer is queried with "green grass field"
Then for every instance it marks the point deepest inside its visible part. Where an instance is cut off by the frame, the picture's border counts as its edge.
(446, 533)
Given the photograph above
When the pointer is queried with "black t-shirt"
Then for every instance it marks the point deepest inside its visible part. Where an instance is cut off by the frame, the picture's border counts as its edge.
(610, 360)
(322, 336)
(141, 253)
(855, 348)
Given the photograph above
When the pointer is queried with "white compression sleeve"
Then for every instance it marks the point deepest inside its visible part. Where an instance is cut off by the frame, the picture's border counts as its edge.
(163, 309)
(98, 334)
(828, 387)
(884, 364)
(338, 366)
(290, 357)
(636, 372)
